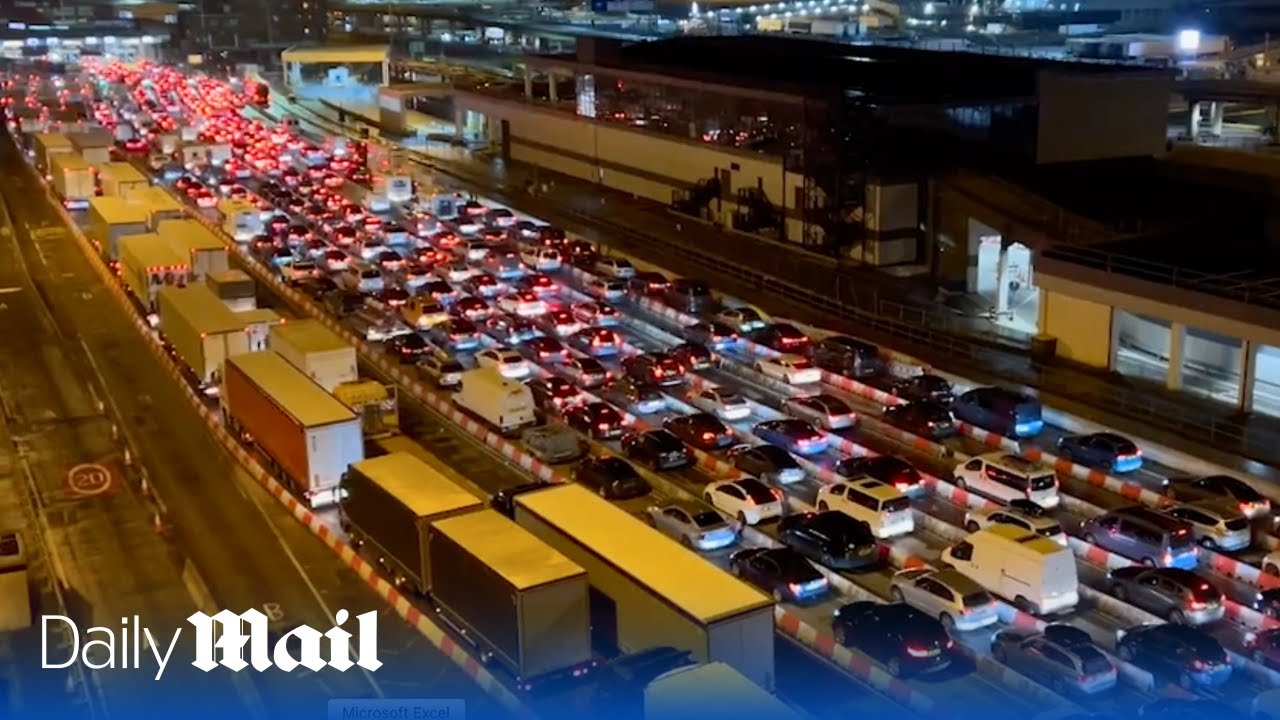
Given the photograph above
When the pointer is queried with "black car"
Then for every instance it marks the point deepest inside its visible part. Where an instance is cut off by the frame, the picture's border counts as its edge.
(504, 501)
(551, 394)
(703, 431)
(693, 356)
(620, 685)
(612, 477)
(780, 571)
(599, 420)
(654, 369)
(831, 538)
(906, 640)
(926, 419)
(658, 449)
(1177, 653)
(783, 337)
(888, 469)
(343, 303)
(409, 347)
(768, 462)
(926, 387)
(1216, 487)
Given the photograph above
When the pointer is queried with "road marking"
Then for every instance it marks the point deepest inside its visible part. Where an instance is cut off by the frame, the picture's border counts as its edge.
(9, 290)
(273, 611)
(88, 480)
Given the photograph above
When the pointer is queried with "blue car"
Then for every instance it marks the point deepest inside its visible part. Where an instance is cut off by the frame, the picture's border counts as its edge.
(998, 410)
(1104, 450)
(792, 435)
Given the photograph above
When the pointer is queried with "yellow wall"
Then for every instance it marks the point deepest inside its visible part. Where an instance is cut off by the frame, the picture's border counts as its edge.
(1082, 327)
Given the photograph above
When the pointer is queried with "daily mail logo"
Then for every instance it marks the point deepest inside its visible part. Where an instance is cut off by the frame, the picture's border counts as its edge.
(220, 640)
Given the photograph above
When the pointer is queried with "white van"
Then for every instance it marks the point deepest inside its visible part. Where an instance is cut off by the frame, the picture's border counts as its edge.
(1037, 574)
(881, 506)
(505, 404)
(1005, 477)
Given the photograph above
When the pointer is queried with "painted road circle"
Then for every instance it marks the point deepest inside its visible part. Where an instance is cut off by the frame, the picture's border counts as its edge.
(89, 479)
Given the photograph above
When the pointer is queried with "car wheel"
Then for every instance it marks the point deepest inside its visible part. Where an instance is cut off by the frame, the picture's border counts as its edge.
(742, 518)
(707, 498)
(895, 594)
(960, 483)
(972, 526)
(894, 667)
(603, 493)
(778, 596)
(685, 541)
(1089, 538)
(1185, 681)
(948, 622)
(841, 635)
(1208, 543)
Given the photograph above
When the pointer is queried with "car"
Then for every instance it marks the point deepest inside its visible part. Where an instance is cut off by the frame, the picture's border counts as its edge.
(1005, 477)
(409, 348)
(1179, 595)
(454, 272)
(443, 370)
(888, 469)
(483, 285)
(615, 267)
(926, 419)
(693, 356)
(394, 298)
(502, 217)
(551, 395)
(722, 402)
(586, 372)
(538, 284)
(745, 498)
(782, 572)
(880, 506)
(472, 308)
(1146, 535)
(1264, 647)
(1000, 410)
(391, 261)
(692, 525)
(594, 313)
(700, 430)
(511, 330)
(657, 449)
(605, 289)
(960, 603)
(598, 420)
(1267, 602)
(523, 303)
(768, 462)
(924, 387)
(824, 411)
(613, 478)
(648, 284)
(1178, 653)
(1061, 657)
(832, 539)
(335, 260)
(300, 271)
(553, 444)
(794, 436)
(1018, 513)
(440, 291)
(457, 333)
(596, 342)
(1170, 708)
(905, 640)
(506, 361)
(653, 368)
(542, 259)
(1252, 503)
(636, 397)
(1216, 524)
(472, 252)
(715, 335)
(545, 349)
(561, 323)
(504, 501)
(689, 295)
(782, 337)
(743, 320)
(1102, 450)
(790, 369)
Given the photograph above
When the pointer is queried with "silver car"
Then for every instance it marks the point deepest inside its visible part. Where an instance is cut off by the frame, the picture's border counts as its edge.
(693, 525)
(824, 411)
(554, 444)
(1062, 658)
(1217, 524)
(954, 598)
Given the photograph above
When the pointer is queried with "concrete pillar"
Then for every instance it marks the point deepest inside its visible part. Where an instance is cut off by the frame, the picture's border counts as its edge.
(459, 118)
(1248, 375)
(1114, 351)
(386, 72)
(528, 83)
(1002, 281)
(551, 83)
(1217, 111)
(1193, 121)
(1177, 341)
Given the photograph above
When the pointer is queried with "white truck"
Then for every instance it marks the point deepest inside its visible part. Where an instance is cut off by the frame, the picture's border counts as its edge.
(72, 180)
(241, 219)
(159, 205)
(149, 262)
(111, 218)
(205, 251)
(94, 145)
(316, 351)
(120, 179)
(202, 331)
(505, 404)
(46, 145)
(1033, 572)
(714, 691)
(257, 326)
(308, 437)
(234, 288)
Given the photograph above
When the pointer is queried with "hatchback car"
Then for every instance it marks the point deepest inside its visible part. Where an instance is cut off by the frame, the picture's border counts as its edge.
(700, 430)
(956, 600)
(1179, 595)
(654, 368)
(888, 469)
(723, 403)
(1177, 653)
(744, 320)
(692, 525)
(906, 640)
(1251, 502)
(796, 436)
(747, 499)
(767, 462)
(551, 395)
(693, 356)
(1105, 451)
(636, 397)
(927, 419)
(598, 420)
(1061, 657)
(1018, 513)
(1216, 524)
(782, 572)
(507, 362)
(586, 372)
(824, 411)
(832, 539)
(657, 449)
(611, 477)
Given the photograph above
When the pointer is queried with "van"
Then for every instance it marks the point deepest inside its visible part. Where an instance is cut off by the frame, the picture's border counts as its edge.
(1006, 477)
(1142, 534)
(1037, 574)
(881, 506)
(361, 277)
(847, 356)
(505, 404)
(688, 295)
(1008, 413)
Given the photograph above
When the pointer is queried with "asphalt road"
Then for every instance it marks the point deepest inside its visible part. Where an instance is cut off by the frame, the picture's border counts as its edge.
(248, 551)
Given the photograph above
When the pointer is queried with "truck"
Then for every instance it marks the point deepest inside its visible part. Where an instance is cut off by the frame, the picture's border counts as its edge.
(158, 204)
(111, 218)
(316, 351)
(193, 155)
(650, 591)
(714, 691)
(218, 153)
(15, 588)
(241, 219)
(387, 503)
(377, 405)
(234, 288)
(505, 404)
(47, 145)
(512, 596)
(206, 252)
(149, 262)
(72, 180)
(119, 179)
(202, 332)
(94, 145)
(257, 325)
(308, 438)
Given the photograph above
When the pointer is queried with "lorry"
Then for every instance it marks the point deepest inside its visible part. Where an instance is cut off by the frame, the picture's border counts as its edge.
(308, 438)
(94, 145)
(206, 252)
(15, 587)
(505, 404)
(388, 502)
(202, 332)
(1034, 572)
(72, 180)
(512, 596)
(111, 218)
(234, 288)
(47, 145)
(714, 691)
(241, 219)
(377, 405)
(648, 590)
(257, 325)
(316, 351)
(149, 262)
(158, 204)
(120, 179)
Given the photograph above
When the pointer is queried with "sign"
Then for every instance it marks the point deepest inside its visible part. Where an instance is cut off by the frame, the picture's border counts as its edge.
(89, 480)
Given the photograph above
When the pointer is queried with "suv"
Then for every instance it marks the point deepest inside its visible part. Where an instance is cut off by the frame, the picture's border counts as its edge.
(1005, 477)
(441, 369)
(847, 356)
(1140, 533)
(883, 508)
(1001, 411)
(658, 449)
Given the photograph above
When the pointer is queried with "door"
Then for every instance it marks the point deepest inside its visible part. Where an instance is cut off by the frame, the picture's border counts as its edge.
(604, 623)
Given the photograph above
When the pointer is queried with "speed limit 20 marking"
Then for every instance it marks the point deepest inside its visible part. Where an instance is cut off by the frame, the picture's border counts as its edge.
(88, 480)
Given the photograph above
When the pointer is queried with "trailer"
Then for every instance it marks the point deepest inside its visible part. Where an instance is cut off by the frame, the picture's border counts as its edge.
(234, 288)
(649, 590)
(241, 219)
(120, 179)
(15, 585)
(316, 351)
(158, 203)
(94, 145)
(387, 503)
(149, 262)
(202, 332)
(111, 218)
(714, 691)
(46, 145)
(307, 437)
(72, 180)
(206, 252)
(257, 325)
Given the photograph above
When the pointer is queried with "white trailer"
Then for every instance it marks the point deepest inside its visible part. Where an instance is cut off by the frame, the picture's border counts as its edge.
(120, 179)
(505, 404)
(111, 218)
(257, 326)
(159, 205)
(149, 262)
(46, 145)
(316, 351)
(72, 180)
(94, 145)
(206, 252)
(241, 219)
(202, 331)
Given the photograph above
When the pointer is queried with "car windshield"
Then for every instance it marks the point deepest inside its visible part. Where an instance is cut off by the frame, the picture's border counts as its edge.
(1092, 661)
(801, 364)
(451, 367)
(1204, 592)
(756, 490)
(616, 468)
(776, 456)
(1050, 530)
(511, 360)
(1237, 524)
(1044, 482)
(898, 504)
(1241, 490)
(730, 399)
(795, 566)
(976, 600)
(707, 519)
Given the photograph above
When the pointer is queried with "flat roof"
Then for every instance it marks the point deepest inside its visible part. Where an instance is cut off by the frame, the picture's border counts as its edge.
(684, 579)
(191, 234)
(337, 54)
(296, 393)
(122, 171)
(153, 198)
(200, 307)
(151, 250)
(423, 489)
(68, 161)
(310, 336)
(259, 315)
(117, 210)
(508, 549)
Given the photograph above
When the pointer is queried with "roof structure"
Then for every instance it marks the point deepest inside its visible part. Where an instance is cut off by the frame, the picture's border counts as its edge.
(508, 549)
(337, 54)
(419, 486)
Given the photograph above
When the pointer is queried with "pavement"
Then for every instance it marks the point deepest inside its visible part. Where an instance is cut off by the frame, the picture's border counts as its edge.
(225, 543)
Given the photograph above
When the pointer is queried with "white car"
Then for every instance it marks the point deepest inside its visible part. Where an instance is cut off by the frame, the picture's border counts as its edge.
(524, 304)
(474, 251)
(952, 597)
(880, 506)
(747, 499)
(618, 268)
(606, 289)
(1019, 513)
(455, 272)
(825, 411)
(789, 368)
(371, 247)
(507, 362)
(542, 259)
(594, 313)
(723, 403)
(742, 319)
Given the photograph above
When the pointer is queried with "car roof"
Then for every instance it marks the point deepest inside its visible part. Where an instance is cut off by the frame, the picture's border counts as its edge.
(956, 580)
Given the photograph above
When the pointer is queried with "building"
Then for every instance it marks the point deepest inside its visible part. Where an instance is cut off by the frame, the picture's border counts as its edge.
(241, 27)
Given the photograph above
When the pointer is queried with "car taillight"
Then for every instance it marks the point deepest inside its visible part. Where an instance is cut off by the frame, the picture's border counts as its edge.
(1197, 605)
(1199, 665)
(795, 588)
(603, 426)
(776, 493)
(1167, 558)
(708, 436)
(918, 652)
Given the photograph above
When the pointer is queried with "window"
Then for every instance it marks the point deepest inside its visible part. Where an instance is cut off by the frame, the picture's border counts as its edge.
(1194, 516)
(1058, 657)
(733, 492)
(963, 551)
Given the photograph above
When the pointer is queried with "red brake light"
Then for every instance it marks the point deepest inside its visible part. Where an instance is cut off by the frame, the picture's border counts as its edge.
(917, 651)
